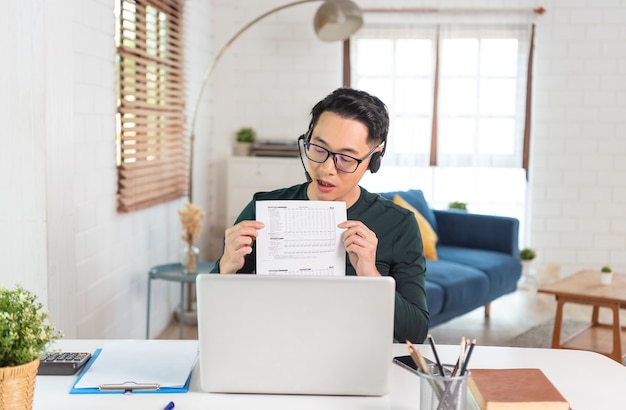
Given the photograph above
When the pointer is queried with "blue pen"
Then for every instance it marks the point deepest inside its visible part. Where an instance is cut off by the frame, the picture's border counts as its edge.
(169, 406)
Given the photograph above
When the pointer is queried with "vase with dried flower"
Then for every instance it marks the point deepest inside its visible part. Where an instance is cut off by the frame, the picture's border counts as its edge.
(25, 332)
(191, 219)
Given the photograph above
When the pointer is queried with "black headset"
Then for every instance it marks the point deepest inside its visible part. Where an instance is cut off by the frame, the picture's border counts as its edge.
(375, 159)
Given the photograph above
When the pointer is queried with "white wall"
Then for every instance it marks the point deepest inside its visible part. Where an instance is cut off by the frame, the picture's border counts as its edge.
(579, 140)
(61, 234)
(23, 228)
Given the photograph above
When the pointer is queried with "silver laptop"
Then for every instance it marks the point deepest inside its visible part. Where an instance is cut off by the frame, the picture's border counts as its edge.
(295, 334)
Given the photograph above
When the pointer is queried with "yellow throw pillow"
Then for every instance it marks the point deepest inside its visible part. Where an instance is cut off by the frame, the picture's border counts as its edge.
(429, 236)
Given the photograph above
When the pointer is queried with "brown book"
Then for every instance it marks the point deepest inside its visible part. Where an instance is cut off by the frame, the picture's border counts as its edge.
(505, 389)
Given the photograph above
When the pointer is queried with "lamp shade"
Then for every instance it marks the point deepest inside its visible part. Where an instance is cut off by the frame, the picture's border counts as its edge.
(337, 20)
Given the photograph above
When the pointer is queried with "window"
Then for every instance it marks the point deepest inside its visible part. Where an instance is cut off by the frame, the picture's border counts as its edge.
(151, 147)
(482, 94)
(399, 70)
(457, 100)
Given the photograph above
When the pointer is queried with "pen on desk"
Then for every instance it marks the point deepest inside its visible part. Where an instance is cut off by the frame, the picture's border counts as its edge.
(169, 406)
(432, 345)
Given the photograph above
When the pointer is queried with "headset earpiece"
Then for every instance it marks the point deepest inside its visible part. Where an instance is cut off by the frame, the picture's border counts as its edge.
(375, 162)
(377, 158)
(300, 148)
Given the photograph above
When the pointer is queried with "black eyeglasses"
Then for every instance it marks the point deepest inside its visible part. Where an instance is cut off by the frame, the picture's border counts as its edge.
(343, 163)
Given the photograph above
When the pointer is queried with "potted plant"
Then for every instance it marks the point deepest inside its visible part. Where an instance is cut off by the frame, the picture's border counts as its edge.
(24, 334)
(526, 255)
(244, 137)
(458, 206)
(606, 275)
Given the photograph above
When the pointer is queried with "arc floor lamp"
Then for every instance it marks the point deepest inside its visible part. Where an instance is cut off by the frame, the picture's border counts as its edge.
(334, 20)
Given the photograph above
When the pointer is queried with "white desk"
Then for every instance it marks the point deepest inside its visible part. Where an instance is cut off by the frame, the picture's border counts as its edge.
(587, 380)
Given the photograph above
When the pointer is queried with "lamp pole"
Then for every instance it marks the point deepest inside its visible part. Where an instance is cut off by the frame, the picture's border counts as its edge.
(342, 12)
(334, 20)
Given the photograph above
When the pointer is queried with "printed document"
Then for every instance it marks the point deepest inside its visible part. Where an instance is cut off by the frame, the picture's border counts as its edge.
(300, 238)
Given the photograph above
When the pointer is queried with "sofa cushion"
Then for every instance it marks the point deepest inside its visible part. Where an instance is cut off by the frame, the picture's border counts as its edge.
(415, 197)
(464, 287)
(502, 269)
(429, 236)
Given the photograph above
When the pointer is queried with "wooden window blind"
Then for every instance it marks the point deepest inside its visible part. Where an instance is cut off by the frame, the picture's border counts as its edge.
(152, 151)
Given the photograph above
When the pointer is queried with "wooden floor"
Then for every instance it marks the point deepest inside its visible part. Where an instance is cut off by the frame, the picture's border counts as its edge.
(510, 316)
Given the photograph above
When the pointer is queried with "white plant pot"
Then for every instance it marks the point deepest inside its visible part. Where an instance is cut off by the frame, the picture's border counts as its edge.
(605, 278)
(243, 149)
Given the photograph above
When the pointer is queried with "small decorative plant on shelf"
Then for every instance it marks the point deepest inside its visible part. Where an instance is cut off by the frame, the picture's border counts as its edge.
(25, 332)
(458, 206)
(245, 137)
(191, 220)
(606, 275)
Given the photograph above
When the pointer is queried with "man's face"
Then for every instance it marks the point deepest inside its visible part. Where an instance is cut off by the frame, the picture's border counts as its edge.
(341, 136)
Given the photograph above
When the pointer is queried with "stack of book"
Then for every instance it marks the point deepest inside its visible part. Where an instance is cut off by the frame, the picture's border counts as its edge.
(275, 149)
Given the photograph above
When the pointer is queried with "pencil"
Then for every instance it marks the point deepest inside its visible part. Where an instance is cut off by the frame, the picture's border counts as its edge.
(414, 356)
(467, 357)
(459, 361)
(419, 360)
(432, 345)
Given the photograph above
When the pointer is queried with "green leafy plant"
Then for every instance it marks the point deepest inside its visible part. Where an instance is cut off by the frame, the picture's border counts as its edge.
(246, 134)
(24, 327)
(527, 254)
(458, 205)
(606, 269)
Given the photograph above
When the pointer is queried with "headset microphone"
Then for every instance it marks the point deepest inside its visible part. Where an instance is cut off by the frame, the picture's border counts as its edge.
(300, 148)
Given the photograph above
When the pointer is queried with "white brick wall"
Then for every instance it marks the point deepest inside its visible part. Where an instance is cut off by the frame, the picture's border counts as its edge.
(578, 116)
(61, 233)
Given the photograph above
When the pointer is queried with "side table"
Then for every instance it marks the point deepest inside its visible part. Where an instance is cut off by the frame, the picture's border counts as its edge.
(584, 288)
(173, 272)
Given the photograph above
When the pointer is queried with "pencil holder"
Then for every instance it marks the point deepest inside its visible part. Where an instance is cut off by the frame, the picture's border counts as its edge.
(443, 392)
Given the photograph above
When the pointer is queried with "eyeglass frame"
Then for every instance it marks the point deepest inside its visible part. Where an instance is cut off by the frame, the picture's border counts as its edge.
(306, 145)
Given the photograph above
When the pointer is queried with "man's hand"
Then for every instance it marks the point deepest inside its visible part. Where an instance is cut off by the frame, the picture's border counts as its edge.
(237, 244)
(360, 243)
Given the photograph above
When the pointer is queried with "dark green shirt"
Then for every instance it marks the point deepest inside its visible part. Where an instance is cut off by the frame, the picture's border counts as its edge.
(399, 254)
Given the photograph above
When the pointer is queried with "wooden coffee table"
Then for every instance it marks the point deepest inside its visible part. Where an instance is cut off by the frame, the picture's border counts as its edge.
(585, 288)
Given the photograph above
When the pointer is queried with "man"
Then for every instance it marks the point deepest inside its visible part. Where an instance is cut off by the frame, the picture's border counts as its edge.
(350, 128)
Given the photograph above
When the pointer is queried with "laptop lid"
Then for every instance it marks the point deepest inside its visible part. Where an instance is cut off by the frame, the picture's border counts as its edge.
(295, 334)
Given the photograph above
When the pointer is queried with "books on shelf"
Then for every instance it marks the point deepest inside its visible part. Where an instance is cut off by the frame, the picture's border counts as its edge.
(504, 389)
(275, 149)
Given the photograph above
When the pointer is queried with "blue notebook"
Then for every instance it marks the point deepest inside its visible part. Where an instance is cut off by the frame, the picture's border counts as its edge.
(138, 367)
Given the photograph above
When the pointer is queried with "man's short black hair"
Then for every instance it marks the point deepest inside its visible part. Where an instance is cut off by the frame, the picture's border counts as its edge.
(356, 105)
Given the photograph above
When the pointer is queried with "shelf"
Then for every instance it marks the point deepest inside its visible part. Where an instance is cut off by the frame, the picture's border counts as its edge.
(597, 338)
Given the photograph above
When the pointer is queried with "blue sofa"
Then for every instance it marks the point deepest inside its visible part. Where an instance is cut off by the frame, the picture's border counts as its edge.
(478, 259)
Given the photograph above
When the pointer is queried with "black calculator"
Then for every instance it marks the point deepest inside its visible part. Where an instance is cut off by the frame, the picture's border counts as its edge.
(62, 363)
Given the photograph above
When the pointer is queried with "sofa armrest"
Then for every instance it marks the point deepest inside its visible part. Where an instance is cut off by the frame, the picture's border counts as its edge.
(489, 232)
